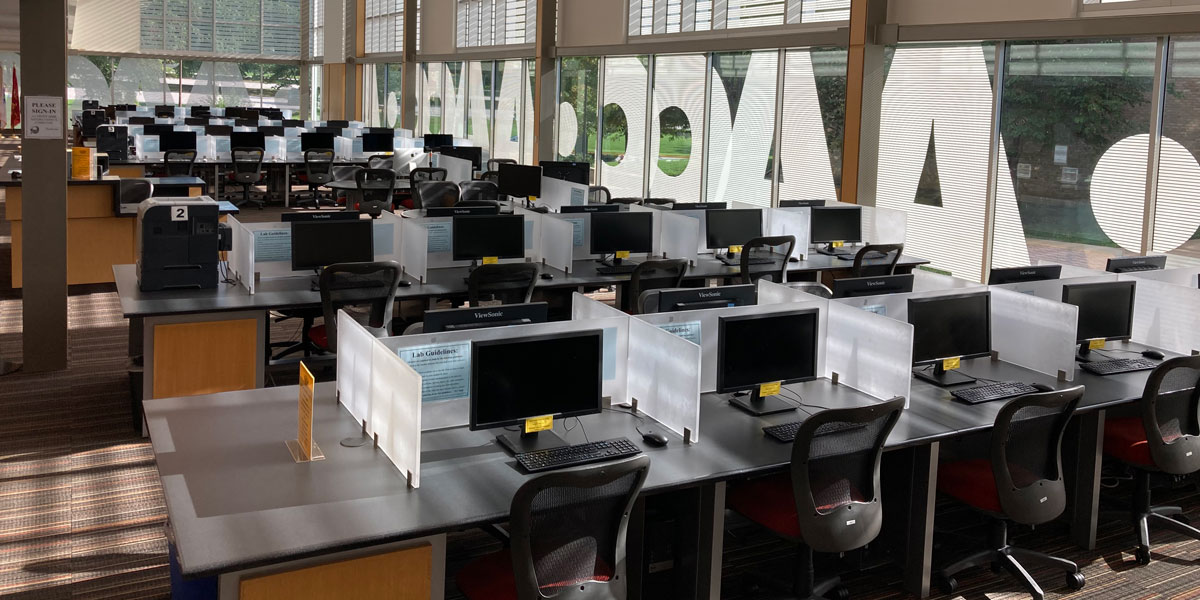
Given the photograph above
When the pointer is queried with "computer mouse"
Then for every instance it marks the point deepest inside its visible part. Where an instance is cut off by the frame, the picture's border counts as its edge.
(655, 438)
(1041, 387)
(404, 283)
(794, 259)
(1155, 354)
(547, 275)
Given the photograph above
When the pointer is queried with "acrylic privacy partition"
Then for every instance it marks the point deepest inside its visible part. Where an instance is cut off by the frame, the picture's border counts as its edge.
(884, 225)
(1051, 289)
(557, 193)
(241, 257)
(794, 222)
(414, 246)
(443, 359)
(354, 352)
(555, 248)
(928, 281)
(664, 378)
(1033, 332)
(1183, 276)
(457, 169)
(396, 411)
(770, 292)
(1166, 315)
(869, 352)
(679, 235)
(701, 219)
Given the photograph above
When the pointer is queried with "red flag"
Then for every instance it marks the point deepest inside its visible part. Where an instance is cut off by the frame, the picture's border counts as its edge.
(15, 120)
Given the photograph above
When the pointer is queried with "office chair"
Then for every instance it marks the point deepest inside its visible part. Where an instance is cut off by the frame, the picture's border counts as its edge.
(427, 174)
(625, 201)
(375, 189)
(492, 176)
(179, 162)
(652, 275)
(890, 251)
(829, 501)
(247, 172)
(352, 287)
(568, 533)
(1022, 481)
(598, 194)
(318, 171)
(665, 202)
(434, 194)
(508, 283)
(478, 190)
(770, 242)
(380, 161)
(493, 164)
(811, 287)
(1163, 438)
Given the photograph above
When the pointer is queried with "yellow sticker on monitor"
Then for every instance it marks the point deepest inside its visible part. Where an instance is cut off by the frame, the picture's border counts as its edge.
(769, 389)
(1096, 344)
(622, 254)
(838, 244)
(950, 364)
(491, 260)
(735, 249)
(536, 424)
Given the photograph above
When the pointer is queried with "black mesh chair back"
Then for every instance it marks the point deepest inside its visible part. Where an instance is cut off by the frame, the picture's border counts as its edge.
(247, 165)
(478, 190)
(434, 194)
(1026, 454)
(492, 176)
(777, 275)
(891, 253)
(653, 275)
(1169, 415)
(569, 530)
(375, 189)
(626, 201)
(179, 163)
(427, 174)
(835, 474)
(380, 161)
(318, 166)
(494, 163)
(507, 283)
(366, 291)
(598, 194)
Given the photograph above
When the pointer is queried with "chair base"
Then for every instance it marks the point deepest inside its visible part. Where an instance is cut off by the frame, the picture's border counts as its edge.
(1168, 517)
(305, 346)
(1009, 558)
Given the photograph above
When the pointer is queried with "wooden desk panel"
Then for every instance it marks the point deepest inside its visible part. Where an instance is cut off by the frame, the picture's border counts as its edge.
(205, 357)
(96, 239)
(400, 575)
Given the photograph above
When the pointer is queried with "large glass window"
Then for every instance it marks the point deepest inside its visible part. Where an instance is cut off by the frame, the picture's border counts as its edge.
(623, 125)
(454, 113)
(1177, 214)
(677, 127)
(507, 125)
(495, 22)
(382, 83)
(431, 98)
(577, 119)
(741, 126)
(675, 16)
(1075, 125)
(384, 26)
(479, 110)
(814, 112)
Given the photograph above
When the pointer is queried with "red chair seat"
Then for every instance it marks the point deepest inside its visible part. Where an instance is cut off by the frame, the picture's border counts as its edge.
(491, 578)
(1125, 440)
(302, 177)
(770, 502)
(972, 482)
(319, 336)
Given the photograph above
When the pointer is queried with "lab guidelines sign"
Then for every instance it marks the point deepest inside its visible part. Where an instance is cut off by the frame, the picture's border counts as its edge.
(43, 117)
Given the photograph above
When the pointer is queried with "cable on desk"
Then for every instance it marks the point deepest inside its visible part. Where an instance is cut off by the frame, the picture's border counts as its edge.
(630, 412)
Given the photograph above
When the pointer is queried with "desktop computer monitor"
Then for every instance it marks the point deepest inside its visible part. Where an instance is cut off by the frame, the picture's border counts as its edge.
(732, 227)
(568, 382)
(162, 109)
(316, 141)
(246, 122)
(200, 111)
(388, 131)
(753, 350)
(459, 319)
(113, 140)
(725, 296)
(520, 181)
(247, 139)
(856, 287)
(318, 244)
(271, 130)
(334, 131)
(471, 153)
(1105, 310)
(478, 237)
(829, 224)
(956, 326)
(1023, 274)
(141, 120)
(438, 140)
(1129, 264)
(575, 172)
(157, 129)
(195, 121)
(378, 142)
(801, 203)
(220, 130)
(340, 124)
(292, 123)
(177, 140)
(614, 232)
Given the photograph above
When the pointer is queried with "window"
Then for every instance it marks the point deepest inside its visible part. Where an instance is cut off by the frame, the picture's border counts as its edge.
(741, 127)
(246, 27)
(481, 101)
(814, 112)
(577, 97)
(384, 26)
(648, 17)
(677, 127)
(454, 117)
(316, 31)
(623, 125)
(510, 103)
(496, 22)
(1177, 215)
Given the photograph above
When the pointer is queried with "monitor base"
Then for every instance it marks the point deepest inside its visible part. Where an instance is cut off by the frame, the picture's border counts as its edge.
(829, 250)
(760, 406)
(616, 262)
(520, 443)
(733, 259)
(943, 378)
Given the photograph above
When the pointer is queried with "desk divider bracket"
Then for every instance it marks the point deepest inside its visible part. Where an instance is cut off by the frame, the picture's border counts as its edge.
(1062, 375)
(834, 379)
(995, 355)
(633, 404)
(376, 440)
(687, 435)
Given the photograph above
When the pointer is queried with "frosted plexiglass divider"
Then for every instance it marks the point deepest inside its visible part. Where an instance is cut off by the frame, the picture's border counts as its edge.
(414, 246)
(679, 235)
(354, 344)
(1035, 333)
(928, 281)
(869, 352)
(581, 233)
(1166, 315)
(664, 378)
(704, 325)
(773, 293)
(457, 169)
(241, 257)
(533, 232)
(454, 411)
(701, 219)
(1051, 289)
(1183, 276)
(387, 235)
(555, 248)
(884, 225)
(1072, 272)
(395, 414)
(557, 193)
(795, 222)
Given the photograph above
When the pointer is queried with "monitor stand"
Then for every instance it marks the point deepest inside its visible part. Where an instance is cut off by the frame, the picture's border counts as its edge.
(616, 262)
(315, 281)
(520, 443)
(829, 250)
(732, 259)
(761, 405)
(943, 378)
(1083, 354)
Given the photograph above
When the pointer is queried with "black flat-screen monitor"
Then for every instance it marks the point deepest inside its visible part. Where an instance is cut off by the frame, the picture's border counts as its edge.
(195, 121)
(201, 111)
(801, 203)
(319, 215)
(835, 224)
(271, 130)
(520, 181)
(246, 122)
(157, 129)
(380, 130)
(247, 139)
(293, 123)
(725, 296)
(459, 319)
(499, 236)
(164, 109)
(141, 120)
(337, 123)
(766, 348)
(438, 140)
(614, 232)
(1126, 264)
(950, 326)
(732, 227)
(177, 140)
(691, 205)
(575, 172)
(219, 130)
(318, 244)
(568, 382)
(855, 287)
(378, 142)
(334, 131)
(1000, 276)
(1105, 309)
(316, 141)
(471, 153)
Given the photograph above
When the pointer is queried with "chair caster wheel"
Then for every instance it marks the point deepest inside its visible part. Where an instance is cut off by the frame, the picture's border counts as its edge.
(1142, 555)
(1075, 581)
(948, 585)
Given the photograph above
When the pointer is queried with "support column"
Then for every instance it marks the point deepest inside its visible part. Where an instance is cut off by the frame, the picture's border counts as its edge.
(408, 105)
(356, 35)
(864, 98)
(44, 162)
(545, 93)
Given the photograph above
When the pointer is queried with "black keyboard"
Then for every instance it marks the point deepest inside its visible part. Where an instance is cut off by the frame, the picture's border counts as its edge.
(616, 270)
(786, 432)
(737, 262)
(994, 391)
(1120, 365)
(578, 454)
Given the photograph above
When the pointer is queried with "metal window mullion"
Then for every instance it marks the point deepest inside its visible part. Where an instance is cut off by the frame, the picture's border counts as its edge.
(1162, 58)
(647, 143)
(777, 150)
(993, 176)
(708, 82)
(600, 66)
